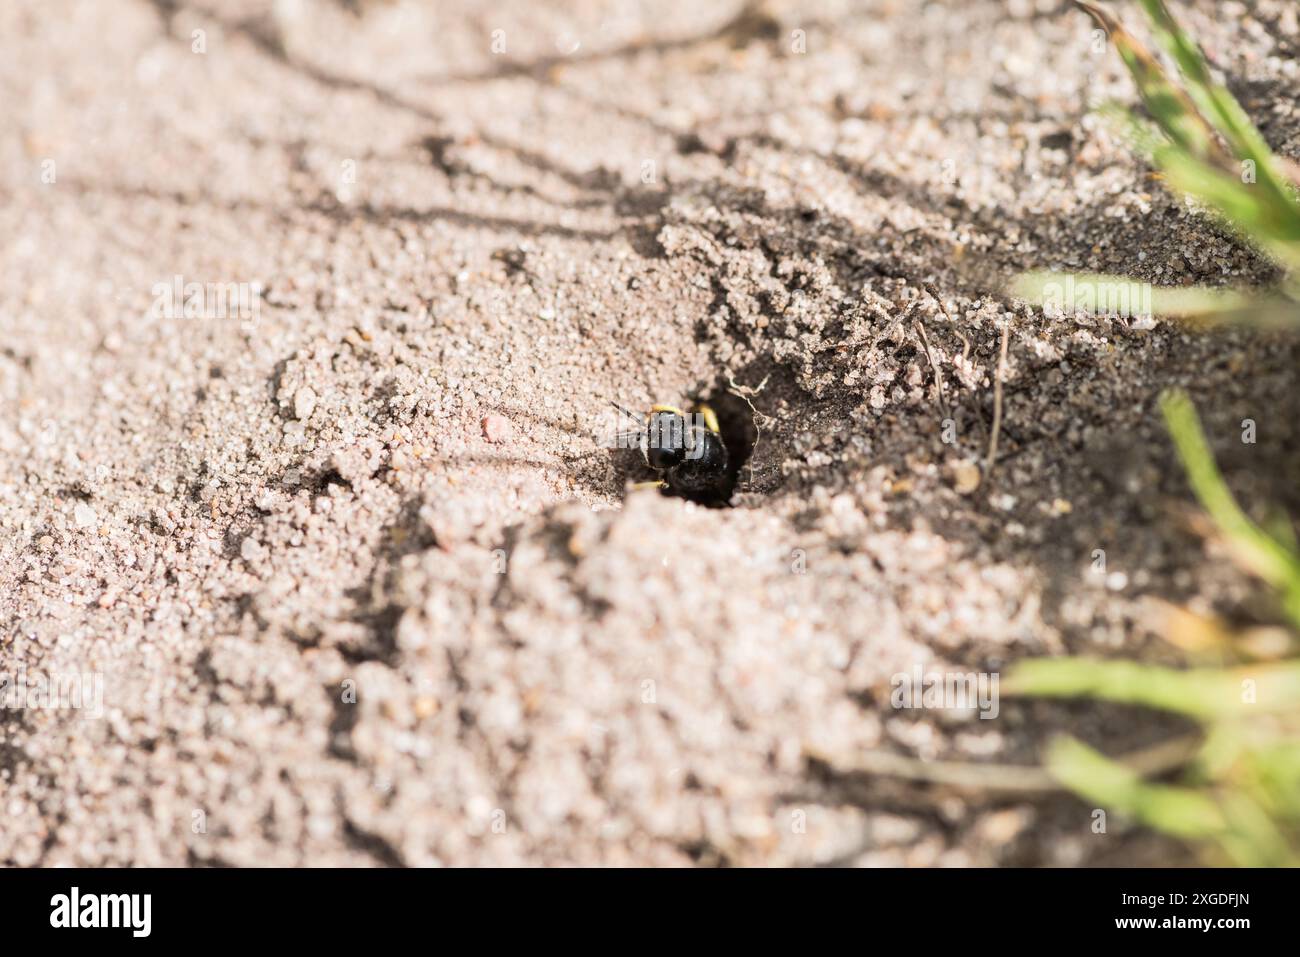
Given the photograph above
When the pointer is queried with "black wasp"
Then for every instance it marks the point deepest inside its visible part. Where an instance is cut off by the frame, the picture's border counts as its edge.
(686, 450)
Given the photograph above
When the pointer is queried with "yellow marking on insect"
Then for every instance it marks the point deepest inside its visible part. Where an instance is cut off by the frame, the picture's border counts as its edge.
(710, 419)
(637, 486)
(668, 408)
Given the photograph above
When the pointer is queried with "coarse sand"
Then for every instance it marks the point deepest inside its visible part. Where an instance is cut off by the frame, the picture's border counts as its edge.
(338, 532)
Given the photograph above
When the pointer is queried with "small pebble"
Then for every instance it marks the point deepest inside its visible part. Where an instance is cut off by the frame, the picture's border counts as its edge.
(84, 515)
(304, 403)
(966, 477)
(496, 428)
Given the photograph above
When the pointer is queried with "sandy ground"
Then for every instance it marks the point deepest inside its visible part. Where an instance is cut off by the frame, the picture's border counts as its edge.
(362, 585)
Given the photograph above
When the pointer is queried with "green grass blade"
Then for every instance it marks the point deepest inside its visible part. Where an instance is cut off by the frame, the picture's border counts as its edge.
(1103, 294)
(1205, 693)
(1170, 106)
(1214, 152)
(1263, 555)
(1234, 821)
(1179, 811)
(1227, 115)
